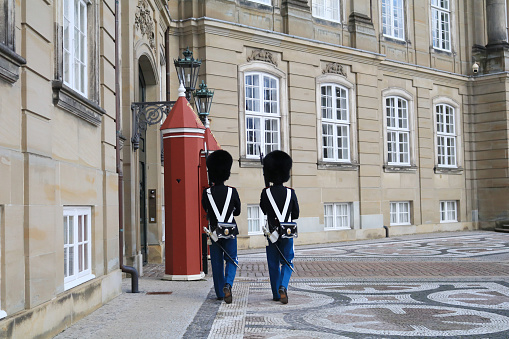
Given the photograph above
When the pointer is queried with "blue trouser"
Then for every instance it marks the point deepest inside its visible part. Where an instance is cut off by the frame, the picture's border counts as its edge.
(279, 272)
(222, 274)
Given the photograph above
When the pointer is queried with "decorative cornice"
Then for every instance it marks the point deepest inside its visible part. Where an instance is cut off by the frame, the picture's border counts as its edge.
(262, 55)
(334, 68)
(144, 22)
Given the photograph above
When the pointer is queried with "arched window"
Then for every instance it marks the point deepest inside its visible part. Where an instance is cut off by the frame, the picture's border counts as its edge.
(399, 130)
(262, 113)
(335, 123)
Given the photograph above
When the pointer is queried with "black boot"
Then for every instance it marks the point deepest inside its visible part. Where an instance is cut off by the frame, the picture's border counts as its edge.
(227, 290)
(284, 295)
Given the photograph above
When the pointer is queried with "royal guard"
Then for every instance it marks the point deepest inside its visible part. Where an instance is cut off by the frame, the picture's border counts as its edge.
(221, 203)
(280, 205)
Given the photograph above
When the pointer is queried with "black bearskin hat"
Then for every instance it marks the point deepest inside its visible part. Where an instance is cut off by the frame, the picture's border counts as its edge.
(276, 167)
(219, 164)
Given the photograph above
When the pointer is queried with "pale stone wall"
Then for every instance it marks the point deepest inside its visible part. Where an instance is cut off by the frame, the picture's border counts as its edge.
(57, 149)
(425, 76)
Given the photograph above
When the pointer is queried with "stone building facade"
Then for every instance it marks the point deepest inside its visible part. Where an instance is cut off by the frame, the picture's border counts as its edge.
(377, 102)
(59, 192)
(394, 112)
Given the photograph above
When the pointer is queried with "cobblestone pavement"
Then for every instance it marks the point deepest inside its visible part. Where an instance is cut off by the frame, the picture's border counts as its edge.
(441, 285)
(448, 285)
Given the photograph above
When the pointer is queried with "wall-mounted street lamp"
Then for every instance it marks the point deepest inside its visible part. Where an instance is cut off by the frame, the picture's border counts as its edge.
(150, 113)
(187, 71)
(203, 101)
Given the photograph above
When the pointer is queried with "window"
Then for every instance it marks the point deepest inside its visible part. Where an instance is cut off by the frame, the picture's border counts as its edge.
(77, 246)
(400, 213)
(7, 23)
(262, 113)
(335, 123)
(446, 135)
(441, 24)
(326, 9)
(398, 131)
(448, 211)
(75, 45)
(337, 216)
(10, 61)
(393, 20)
(255, 219)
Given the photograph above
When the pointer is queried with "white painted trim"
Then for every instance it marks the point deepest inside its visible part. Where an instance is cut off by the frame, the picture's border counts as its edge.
(79, 281)
(184, 277)
(184, 136)
(183, 130)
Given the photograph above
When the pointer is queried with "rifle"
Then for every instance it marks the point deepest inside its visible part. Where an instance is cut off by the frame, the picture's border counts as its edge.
(267, 184)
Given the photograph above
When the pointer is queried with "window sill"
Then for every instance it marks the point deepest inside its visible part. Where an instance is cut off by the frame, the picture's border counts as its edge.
(448, 170)
(448, 221)
(391, 39)
(409, 224)
(337, 166)
(69, 100)
(256, 4)
(250, 163)
(400, 169)
(79, 281)
(337, 229)
(326, 22)
(10, 62)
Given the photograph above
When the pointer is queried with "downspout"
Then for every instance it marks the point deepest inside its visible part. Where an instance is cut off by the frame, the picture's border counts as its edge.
(167, 55)
(126, 269)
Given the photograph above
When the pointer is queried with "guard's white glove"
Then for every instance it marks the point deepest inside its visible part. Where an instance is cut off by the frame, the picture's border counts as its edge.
(211, 235)
(271, 236)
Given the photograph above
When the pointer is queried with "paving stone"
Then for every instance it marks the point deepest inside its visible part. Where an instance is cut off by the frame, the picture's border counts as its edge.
(442, 285)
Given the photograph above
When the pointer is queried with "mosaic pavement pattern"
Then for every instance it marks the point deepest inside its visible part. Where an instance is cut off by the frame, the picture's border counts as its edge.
(337, 309)
(476, 245)
(369, 290)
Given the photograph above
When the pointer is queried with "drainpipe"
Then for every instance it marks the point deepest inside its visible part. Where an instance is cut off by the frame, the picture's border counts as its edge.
(167, 55)
(126, 269)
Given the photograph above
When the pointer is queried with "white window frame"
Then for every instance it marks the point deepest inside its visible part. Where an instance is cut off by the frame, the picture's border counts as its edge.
(393, 16)
(329, 10)
(337, 216)
(398, 131)
(258, 218)
(350, 122)
(271, 70)
(3, 314)
(447, 145)
(448, 211)
(262, 107)
(329, 115)
(441, 24)
(400, 213)
(75, 54)
(457, 136)
(78, 245)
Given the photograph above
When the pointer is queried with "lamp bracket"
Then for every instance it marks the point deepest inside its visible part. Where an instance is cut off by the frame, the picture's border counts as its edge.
(145, 114)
